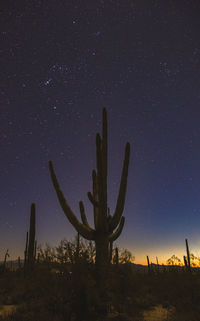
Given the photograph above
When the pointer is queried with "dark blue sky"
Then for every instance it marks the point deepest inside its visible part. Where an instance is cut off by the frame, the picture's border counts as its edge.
(61, 62)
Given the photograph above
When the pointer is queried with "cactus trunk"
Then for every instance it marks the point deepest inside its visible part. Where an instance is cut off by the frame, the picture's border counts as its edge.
(102, 250)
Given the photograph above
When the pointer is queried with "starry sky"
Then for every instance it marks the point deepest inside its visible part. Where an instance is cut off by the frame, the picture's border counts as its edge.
(61, 63)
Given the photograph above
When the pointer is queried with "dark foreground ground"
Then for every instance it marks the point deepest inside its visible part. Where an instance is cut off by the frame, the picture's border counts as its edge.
(73, 293)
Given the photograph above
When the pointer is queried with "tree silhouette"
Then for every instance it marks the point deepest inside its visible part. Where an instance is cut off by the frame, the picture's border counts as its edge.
(173, 260)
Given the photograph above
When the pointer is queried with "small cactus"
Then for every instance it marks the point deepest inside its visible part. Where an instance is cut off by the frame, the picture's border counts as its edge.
(148, 264)
(35, 250)
(31, 244)
(188, 255)
(19, 262)
(26, 250)
(77, 253)
(116, 256)
(5, 259)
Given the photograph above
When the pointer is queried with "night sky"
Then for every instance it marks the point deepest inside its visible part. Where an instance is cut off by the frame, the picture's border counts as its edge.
(61, 62)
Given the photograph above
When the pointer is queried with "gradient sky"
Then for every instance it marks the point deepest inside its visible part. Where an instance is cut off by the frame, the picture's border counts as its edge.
(61, 62)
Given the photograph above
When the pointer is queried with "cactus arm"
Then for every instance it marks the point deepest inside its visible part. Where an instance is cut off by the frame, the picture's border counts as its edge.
(95, 197)
(81, 228)
(99, 168)
(94, 184)
(112, 237)
(122, 190)
(104, 159)
(105, 142)
(101, 215)
(92, 200)
(83, 216)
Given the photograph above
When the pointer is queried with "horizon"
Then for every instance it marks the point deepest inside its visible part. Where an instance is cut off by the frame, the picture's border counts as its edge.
(140, 259)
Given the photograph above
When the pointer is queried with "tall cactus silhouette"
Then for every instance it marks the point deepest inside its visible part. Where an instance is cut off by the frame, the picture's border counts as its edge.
(26, 251)
(188, 255)
(30, 240)
(107, 228)
(148, 264)
(5, 259)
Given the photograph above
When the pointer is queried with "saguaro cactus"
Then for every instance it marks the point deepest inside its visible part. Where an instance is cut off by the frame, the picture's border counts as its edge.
(19, 262)
(148, 264)
(77, 253)
(5, 259)
(188, 255)
(116, 256)
(31, 241)
(107, 228)
(26, 250)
